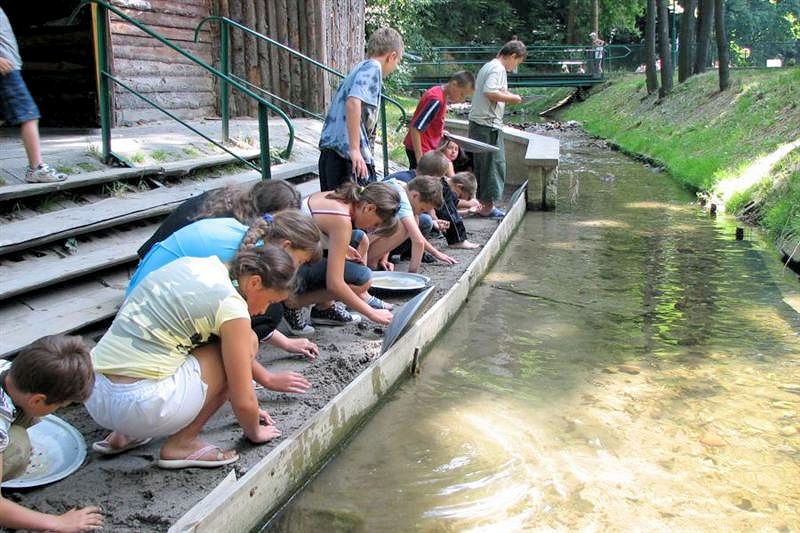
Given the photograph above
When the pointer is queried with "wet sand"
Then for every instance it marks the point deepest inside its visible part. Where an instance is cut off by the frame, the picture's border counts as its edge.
(136, 495)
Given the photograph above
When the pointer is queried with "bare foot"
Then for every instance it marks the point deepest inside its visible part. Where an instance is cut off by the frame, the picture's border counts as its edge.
(465, 245)
(181, 450)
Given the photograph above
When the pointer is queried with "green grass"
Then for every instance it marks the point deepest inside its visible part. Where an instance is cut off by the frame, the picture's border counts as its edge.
(66, 169)
(85, 166)
(706, 139)
(397, 152)
(159, 155)
(137, 158)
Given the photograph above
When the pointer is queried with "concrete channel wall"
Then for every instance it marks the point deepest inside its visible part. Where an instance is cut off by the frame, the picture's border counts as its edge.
(237, 505)
(529, 157)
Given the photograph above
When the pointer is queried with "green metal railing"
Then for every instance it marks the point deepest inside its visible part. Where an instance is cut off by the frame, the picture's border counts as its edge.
(545, 65)
(104, 78)
(226, 23)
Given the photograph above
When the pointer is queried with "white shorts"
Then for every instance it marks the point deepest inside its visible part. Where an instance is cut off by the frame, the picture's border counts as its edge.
(149, 408)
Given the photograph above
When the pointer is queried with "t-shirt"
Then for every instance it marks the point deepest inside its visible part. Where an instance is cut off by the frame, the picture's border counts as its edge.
(172, 311)
(491, 77)
(428, 119)
(405, 210)
(182, 216)
(403, 175)
(364, 82)
(220, 237)
(8, 412)
(8, 42)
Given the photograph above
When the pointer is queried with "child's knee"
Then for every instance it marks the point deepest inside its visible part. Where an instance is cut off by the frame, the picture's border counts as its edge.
(18, 453)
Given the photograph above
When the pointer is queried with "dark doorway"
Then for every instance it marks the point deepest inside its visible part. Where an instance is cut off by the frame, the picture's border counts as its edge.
(57, 59)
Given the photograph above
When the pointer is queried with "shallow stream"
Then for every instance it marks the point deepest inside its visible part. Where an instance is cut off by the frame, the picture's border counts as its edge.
(626, 365)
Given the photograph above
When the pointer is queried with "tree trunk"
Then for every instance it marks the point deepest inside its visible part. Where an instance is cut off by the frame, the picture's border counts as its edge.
(686, 48)
(596, 16)
(723, 53)
(704, 25)
(664, 49)
(572, 22)
(238, 102)
(650, 47)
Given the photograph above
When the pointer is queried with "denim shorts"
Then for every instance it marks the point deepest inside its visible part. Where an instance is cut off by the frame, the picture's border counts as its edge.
(16, 103)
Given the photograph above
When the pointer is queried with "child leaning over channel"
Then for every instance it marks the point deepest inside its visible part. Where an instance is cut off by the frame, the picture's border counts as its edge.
(343, 218)
(223, 237)
(417, 198)
(49, 373)
(179, 348)
(346, 141)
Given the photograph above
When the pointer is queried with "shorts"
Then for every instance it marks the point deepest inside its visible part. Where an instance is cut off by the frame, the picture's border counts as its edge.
(334, 170)
(149, 407)
(18, 453)
(16, 103)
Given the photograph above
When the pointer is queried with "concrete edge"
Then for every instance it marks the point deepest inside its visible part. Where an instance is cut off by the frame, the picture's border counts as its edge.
(243, 505)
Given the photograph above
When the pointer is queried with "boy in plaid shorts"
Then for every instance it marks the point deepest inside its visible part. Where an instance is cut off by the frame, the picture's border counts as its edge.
(17, 106)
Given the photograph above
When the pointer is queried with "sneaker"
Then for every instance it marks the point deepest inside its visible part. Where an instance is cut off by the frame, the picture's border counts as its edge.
(43, 174)
(294, 322)
(335, 315)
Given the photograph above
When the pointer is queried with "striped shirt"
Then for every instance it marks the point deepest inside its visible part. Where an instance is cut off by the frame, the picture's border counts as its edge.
(429, 119)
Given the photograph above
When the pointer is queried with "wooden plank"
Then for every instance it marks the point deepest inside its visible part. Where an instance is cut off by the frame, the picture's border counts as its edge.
(22, 321)
(121, 30)
(35, 272)
(51, 227)
(242, 505)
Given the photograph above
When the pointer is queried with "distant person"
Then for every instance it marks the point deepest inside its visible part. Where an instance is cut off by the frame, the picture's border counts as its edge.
(179, 348)
(347, 138)
(598, 45)
(51, 372)
(486, 124)
(18, 108)
(426, 128)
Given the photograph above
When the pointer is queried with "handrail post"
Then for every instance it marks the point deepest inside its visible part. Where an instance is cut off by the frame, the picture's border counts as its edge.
(224, 65)
(100, 15)
(385, 138)
(263, 138)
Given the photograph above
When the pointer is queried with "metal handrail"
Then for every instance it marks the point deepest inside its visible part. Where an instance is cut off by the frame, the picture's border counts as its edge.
(104, 76)
(224, 61)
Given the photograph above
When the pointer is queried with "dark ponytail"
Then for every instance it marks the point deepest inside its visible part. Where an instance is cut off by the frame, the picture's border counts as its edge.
(273, 264)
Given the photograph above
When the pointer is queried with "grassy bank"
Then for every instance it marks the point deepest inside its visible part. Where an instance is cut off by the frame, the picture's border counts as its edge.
(725, 143)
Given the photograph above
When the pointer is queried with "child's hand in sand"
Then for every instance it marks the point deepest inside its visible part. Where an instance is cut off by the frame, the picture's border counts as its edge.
(303, 347)
(265, 433)
(264, 418)
(287, 382)
(75, 520)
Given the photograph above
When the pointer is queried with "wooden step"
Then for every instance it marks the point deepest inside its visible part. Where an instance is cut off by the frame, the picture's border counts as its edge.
(41, 268)
(59, 225)
(26, 318)
(79, 303)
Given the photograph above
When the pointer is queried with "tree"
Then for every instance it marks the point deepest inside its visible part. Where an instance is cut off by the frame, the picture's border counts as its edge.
(723, 52)
(650, 47)
(704, 24)
(664, 48)
(687, 36)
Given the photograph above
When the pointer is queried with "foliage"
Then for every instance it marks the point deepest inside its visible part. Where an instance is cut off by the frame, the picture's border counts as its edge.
(701, 136)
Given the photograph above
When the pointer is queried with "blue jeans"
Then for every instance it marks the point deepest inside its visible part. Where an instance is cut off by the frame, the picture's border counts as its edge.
(16, 103)
(313, 276)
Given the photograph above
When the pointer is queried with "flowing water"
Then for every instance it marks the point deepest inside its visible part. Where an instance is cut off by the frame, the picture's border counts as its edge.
(626, 365)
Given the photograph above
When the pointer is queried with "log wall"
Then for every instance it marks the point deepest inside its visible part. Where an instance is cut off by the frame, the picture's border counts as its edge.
(329, 31)
(155, 70)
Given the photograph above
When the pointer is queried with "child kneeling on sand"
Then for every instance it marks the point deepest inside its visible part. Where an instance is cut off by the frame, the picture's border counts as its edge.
(50, 373)
(179, 348)
(417, 197)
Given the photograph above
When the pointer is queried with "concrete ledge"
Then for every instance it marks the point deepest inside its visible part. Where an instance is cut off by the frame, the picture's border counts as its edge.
(529, 157)
(244, 504)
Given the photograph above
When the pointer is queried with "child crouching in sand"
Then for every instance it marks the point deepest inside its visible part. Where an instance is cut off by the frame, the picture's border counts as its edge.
(50, 373)
(179, 348)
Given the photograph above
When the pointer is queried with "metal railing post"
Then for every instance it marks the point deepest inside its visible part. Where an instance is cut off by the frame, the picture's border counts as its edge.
(224, 65)
(263, 138)
(384, 136)
(100, 15)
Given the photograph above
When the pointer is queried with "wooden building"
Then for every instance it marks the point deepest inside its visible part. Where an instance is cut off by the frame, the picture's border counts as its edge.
(59, 57)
